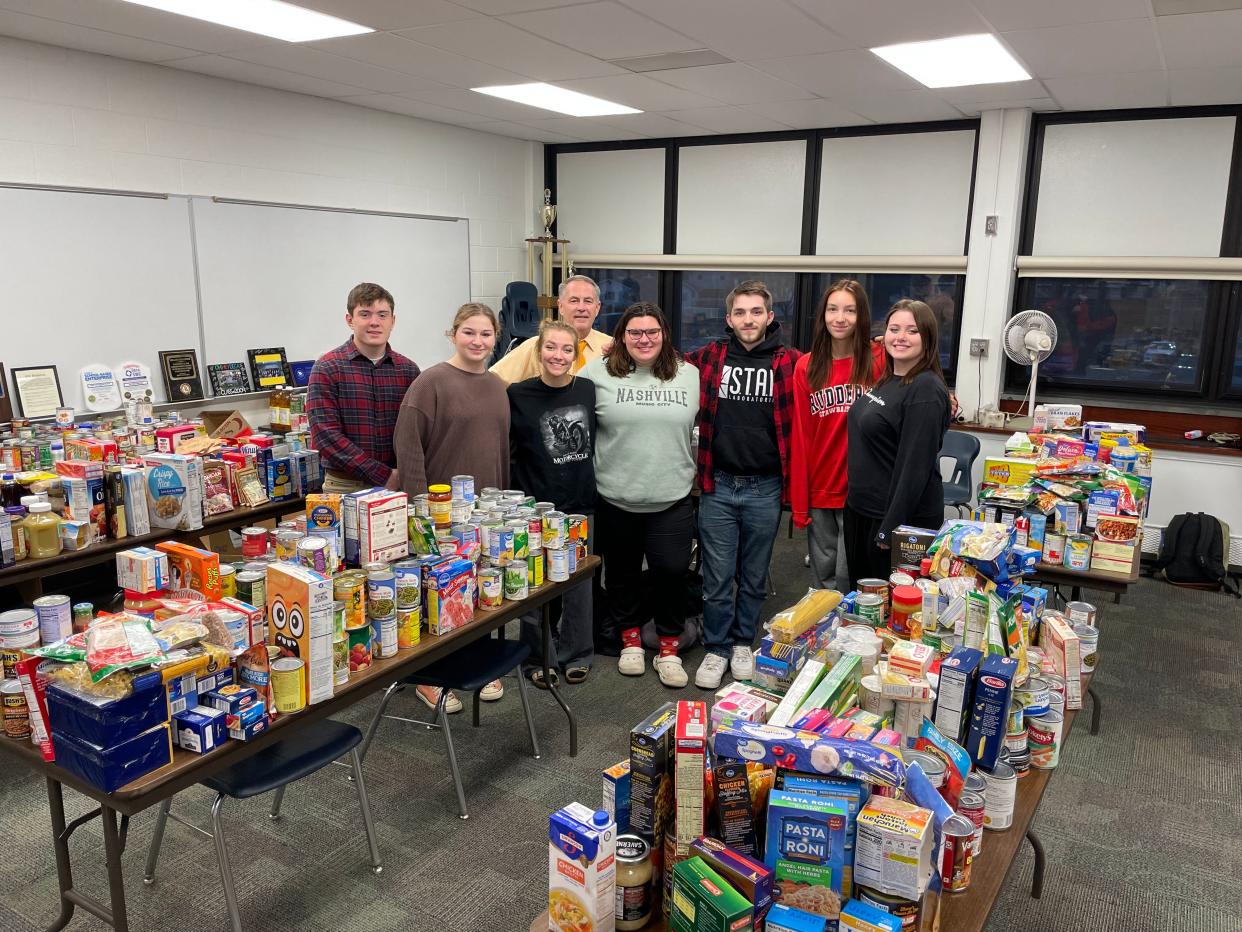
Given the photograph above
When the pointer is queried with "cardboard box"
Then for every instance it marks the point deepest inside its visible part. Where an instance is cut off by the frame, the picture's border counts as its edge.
(581, 870)
(956, 692)
(617, 795)
(784, 918)
(174, 490)
(192, 568)
(805, 847)
(142, 569)
(751, 878)
(199, 729)
(739, 705)
(989, 709)
(221, 423)
(689, 770)
(836, 686)
(853, 794)
(1057, 417)
(810, 676)
(703, 901)
(170, 439)
(650, 779)
(299, 613)
(735, 816)
(893, 853)
(909, 547)
(858, 916)
(1007, 470)
(1060, 644)
(375, 526)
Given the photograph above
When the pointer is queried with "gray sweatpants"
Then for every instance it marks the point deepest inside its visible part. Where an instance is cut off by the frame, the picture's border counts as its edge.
(823, 537)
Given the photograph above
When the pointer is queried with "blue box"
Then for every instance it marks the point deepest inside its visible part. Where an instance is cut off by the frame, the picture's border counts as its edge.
(955, 697)
(182, 692)
(245, 717)
(1039, 528)
(212, 681)
(782, 918)
(109, 768)
(200, 729)
(256, 727)
(805, 842)
(857, 916)
(231, 699)
(103, 722)
(989, 710)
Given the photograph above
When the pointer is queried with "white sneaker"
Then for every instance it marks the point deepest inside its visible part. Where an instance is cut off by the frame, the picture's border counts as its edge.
(711, 672)
(672, 673)
(632, 662)
(431, 695)
(492, 691)
(742, 663)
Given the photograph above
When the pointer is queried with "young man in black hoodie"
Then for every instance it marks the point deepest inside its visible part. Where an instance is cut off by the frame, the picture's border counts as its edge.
(745, 425)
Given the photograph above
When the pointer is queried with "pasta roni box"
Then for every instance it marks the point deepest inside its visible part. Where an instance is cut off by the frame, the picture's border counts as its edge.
(703, 901)
(582, 870)
(853, 793)
(651, 781)
(805, 846)
(299, 611)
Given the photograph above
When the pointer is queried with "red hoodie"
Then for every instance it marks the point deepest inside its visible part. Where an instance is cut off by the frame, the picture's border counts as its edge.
(817, 468)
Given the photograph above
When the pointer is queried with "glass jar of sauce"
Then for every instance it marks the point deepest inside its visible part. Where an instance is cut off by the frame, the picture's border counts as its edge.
(635, 897)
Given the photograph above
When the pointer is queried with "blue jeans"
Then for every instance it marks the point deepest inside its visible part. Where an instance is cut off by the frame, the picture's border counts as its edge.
(737, 527)
(573, 641)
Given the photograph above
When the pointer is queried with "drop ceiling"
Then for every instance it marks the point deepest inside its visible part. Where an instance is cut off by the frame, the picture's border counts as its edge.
(772, 64)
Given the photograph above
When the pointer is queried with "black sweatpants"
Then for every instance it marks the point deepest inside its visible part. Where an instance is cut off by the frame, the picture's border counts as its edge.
(865, 560)
(624, 539)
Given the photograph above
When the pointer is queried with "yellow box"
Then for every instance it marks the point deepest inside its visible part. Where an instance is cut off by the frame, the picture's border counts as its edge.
(1111, 550)
(1008, 470)
(1105, 565)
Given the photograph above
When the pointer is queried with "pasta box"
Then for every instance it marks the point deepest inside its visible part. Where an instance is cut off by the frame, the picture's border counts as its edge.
(909, 547)
(617, 795)
(805, 845)
(582, 868)
(199, 729)
(299, 622)
(956, 691)
(103, 722)
(323, 518)
(192, 568)
(703, 901)
(784, 918)
(989, 709)
(109, 767)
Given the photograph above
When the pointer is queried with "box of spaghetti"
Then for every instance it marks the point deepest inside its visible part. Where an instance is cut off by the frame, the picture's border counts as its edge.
(703, 901)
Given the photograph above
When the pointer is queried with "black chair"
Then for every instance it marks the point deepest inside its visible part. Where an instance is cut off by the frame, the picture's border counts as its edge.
(273, 768)
(467, 671)
(520, 315)
(963, 449)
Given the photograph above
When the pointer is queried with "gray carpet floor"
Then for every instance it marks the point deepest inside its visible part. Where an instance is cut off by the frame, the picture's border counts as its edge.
(1142, 824)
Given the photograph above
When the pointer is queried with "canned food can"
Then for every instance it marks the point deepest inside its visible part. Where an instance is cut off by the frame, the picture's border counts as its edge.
(573, 554)
(460, 511)
(347, 589)
(1054, 548)
(84, 612)
(579, 527)
(876, 587)
(466, 535)
(534, 532)
(491, 587)
(972, 805)
(381, 593)
(958, 853)
(555, 529)
(340, 660)
(55, 617)
(18, 621)
(1077, 552)
(900, 578)
(1088, 646)
(409, 575)
(1001, 792)
(1081, 613)
(558, 564)
(1044, 740)
(521, 539)
(289, 684)
(906, 911)
(287, 544)
(359, 648)
(422, 505)
(228, 581)
(11, 648)
(408, 622)
(933, 767)
(313, 554)
(254, 541)
(463, 488)
(252, 588)
(384, 637)
(16, 712)
(534, 569)
(870, 605)
(516, 585)
(338, 619)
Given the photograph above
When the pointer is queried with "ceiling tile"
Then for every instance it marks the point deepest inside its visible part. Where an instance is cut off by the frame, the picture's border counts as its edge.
(1007, 15)
(901, 107)
(415, 108)
(734, 83)
(37, 29)
(1201, 40)
(1205, 86)
(744, 29)
(392, 14)
(1009, 90)
(605, 30)
(400, 54)
(503, 7)
(853, 71)
(1089, 48)
(587, 128)
(654, 125)
(639, 92)
(727, 120)
(868, 23)
(518, 131)
(1110, 91)
(808, 114)
(1174, 7)
(1037, 104)
(328, 67)
(507, 46)
(495, 108)
(251, 73)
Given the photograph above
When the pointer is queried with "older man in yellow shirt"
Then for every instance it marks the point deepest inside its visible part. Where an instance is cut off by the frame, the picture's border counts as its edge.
(577, 303)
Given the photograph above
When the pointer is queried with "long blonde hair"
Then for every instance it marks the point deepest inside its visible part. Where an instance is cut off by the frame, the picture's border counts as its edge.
(547, 327)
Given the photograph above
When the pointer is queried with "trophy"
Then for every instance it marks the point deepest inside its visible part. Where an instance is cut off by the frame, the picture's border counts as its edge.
(544, 247)
(547, 213)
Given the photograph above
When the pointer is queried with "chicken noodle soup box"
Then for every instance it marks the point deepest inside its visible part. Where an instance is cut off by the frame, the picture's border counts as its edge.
(582, 870)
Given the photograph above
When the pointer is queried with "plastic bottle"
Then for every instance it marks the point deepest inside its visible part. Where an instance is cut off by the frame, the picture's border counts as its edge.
(17, 517)
(42, 531)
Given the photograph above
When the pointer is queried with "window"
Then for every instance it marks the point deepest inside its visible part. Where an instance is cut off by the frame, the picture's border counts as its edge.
(1235, 362)
(942, 293)
(1121, 334)
(703, 304)
(618, 289)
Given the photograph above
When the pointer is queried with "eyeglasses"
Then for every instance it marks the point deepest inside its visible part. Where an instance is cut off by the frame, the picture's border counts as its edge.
(377, 315)
(651, 334)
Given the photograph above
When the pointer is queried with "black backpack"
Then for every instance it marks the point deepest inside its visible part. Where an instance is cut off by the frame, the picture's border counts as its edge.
(1193, 551)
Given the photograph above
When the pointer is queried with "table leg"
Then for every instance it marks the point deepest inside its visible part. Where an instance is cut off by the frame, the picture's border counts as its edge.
(1037, 878)
(114, 845)
(1095, 710)
(60, 843)
(553, 685)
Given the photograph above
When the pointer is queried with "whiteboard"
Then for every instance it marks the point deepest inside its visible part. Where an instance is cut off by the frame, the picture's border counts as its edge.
(272, 275)
(94, 278)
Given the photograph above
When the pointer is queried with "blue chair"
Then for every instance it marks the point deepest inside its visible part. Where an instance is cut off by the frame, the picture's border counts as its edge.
(520, 315)
(273, 768)
(467, 671)
(963, 449)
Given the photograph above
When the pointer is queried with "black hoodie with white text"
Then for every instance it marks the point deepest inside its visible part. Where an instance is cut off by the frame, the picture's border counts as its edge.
(744, 443)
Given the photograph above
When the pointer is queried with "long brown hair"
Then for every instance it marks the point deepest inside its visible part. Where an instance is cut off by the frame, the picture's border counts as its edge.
(929, 333)
(620, 363)
(819, 369)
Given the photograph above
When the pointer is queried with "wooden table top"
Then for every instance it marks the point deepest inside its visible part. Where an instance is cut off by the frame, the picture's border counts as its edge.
(1099, 579)
(188, 768)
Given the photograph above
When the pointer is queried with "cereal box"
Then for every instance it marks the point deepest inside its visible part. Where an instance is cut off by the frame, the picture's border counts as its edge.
(893, 851)
(1060, 643)
(989, 709)
(703, 901)
(805, 846)
(375, 526)
(192, 568)
(751, 878)
(299, 613)
(174, 491)
(651, 783)
(617, 795)
(581, 870)
(1054, 417)
(691, 750)
(141, 569)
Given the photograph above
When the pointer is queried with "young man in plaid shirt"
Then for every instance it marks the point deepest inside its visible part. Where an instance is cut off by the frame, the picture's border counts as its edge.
(745, 422)
(354, 396)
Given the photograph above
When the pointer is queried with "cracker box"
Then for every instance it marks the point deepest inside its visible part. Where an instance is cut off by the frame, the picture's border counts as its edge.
(808, 678)
(142, 569)
(299, 622)
(169, 439)
(192, 568)
(735, 816)
(690, 745)
(957, 688)
(617, 795)
(199, 729)
(858, 916)
(1060, 643)
(784, 918)
(989, 709)
(703, 901)
(1008, 470)
(893, 851)
(805, 847)
(582, 870)
(752, 878)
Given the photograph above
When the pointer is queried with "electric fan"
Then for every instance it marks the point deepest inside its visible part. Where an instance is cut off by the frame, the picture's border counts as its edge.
(1029, 338)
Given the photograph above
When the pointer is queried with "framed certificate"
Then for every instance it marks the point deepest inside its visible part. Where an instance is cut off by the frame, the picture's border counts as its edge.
(301, 372)
(182, 380)
(269, 368)
(38, 391)
(228, 378)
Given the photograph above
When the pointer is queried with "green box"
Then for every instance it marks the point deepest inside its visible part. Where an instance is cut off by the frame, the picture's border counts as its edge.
(703, 901)
(836, 685)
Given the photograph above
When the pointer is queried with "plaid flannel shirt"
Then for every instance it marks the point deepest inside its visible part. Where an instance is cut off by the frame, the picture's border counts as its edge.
(352, 405)
(710, 361)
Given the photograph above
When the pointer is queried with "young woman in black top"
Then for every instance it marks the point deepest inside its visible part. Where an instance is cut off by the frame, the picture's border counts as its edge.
(895, 433)
(551, 456)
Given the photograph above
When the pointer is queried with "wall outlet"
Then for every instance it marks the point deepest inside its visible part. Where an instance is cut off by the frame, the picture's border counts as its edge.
(978, 346)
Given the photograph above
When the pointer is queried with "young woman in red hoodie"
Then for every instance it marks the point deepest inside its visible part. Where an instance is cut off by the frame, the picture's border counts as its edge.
(843, 363)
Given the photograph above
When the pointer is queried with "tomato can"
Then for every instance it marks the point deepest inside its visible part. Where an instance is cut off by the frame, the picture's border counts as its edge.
(254, 541)
(1044, 740)
(958, 853)
(1054, 548)
(972, 806)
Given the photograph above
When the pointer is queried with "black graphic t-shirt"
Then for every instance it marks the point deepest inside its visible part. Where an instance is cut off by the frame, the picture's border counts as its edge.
(552, 442)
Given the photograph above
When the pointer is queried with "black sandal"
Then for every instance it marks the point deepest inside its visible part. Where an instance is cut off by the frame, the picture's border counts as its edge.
(576, 675)
(536, 677)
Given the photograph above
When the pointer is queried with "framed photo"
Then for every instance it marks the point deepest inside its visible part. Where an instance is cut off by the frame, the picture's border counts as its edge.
(301, 372)
(182, 380)
(38, 391)
(269, 368)
(228, 378)
(6, 403)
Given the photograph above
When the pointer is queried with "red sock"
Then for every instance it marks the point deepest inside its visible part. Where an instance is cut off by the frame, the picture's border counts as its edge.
(668, 646)
(631, 637)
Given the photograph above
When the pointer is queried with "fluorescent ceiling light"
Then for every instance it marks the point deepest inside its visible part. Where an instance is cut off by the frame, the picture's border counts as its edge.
(955, 62)
(266, 17)
(556, 99)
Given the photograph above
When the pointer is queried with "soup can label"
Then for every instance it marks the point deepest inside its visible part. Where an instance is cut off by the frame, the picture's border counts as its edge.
(958, 853)
(55, 618)
(289, 684)
(516, 586)
(999, 797)
(1077, 552)
(491, 587)
(1044, 740)
(409, 582)
(558, 564)
(408, 622)
(252, 588)
(972, 806)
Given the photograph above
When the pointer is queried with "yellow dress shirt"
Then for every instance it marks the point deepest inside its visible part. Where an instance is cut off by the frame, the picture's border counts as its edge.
(523, 362)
